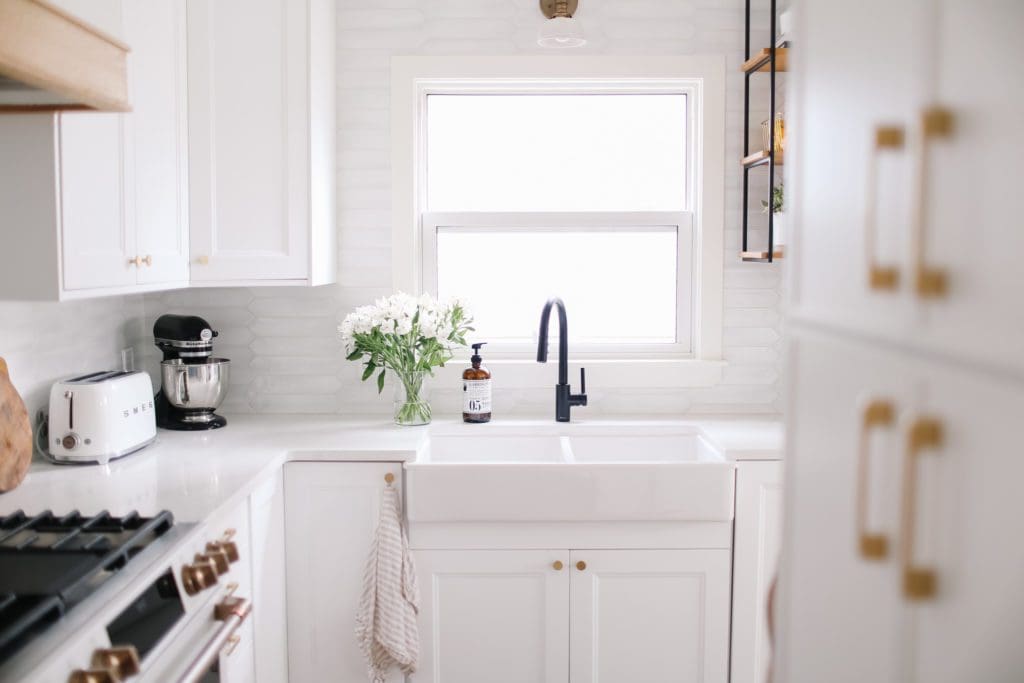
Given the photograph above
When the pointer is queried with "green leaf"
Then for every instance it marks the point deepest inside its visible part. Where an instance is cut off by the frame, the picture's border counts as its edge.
(370, 367)
(355, 355)
(380, 382)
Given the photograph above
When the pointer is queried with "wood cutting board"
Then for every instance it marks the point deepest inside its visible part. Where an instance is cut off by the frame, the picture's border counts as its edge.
(15, 434)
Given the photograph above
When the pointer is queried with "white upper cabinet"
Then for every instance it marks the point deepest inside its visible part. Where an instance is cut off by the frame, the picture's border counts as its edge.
(261, 141)
(906, 174)
(97, 203)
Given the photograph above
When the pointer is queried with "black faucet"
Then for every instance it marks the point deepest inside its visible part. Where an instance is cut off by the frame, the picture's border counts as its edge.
(564, 398)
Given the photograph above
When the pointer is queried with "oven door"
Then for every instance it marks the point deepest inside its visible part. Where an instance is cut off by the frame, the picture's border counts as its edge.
(215, 646)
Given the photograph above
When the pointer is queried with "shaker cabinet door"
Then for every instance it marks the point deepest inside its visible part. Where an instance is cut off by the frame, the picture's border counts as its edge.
(840, 575)
(650, 615)
(853, 167)
(331, 512)
(500, 616)
(970, 186)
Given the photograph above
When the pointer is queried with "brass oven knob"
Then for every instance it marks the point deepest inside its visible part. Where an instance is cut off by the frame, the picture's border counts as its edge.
(557, 565)
(93, 676)
(123, 660)
(229, 548)
(198, 576)
(581, 565)
(218, 557)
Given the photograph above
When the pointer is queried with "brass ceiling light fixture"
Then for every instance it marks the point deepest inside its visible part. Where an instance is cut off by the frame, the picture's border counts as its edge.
(560, 30)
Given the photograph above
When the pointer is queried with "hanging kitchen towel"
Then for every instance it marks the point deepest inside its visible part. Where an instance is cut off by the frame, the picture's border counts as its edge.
(386, 621)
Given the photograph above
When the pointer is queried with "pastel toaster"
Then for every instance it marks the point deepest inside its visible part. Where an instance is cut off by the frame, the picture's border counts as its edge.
(101, 416)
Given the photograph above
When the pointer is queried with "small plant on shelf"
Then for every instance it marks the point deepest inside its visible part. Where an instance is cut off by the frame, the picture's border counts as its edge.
(776, 205)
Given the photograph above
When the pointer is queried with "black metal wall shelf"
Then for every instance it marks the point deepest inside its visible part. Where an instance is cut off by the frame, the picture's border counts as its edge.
(770, 61)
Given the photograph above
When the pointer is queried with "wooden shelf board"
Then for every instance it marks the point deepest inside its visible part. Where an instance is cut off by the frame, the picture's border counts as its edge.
(759, 158)
(62, 62)
(762, 61)
(760, 256)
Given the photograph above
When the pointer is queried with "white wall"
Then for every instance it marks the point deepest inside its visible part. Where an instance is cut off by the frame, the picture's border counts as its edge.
(43, 342)
(286, 357)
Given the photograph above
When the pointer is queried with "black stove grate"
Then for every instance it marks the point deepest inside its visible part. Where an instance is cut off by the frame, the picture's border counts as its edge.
(50, 563)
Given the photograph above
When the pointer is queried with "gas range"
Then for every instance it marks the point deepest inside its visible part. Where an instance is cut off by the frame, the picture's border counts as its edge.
(100, 598)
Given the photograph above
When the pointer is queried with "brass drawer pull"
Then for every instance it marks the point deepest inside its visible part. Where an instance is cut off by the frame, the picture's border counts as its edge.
(581, 565)
(557, 565)
(877, 414)
(926, 434)
(885, 278)
(929, 281)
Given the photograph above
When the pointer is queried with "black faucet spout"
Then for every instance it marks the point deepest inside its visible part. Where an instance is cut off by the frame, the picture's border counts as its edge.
(564, 398)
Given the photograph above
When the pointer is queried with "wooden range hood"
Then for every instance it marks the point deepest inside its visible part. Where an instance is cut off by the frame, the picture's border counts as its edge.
(51, 61)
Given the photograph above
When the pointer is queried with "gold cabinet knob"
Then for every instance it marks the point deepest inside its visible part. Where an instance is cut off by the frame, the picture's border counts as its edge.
(219, 558)
(198, 576)
(137, 261)
(148, 260)
(93, 676)
(203, 260)
(228, 548)
(557, 565)
(581, 565)
(123, 660)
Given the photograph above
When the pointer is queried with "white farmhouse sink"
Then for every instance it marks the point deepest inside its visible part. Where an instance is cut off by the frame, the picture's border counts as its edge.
(568, 473)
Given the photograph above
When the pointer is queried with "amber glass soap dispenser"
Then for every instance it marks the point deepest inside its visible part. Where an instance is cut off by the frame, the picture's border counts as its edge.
(476, 390)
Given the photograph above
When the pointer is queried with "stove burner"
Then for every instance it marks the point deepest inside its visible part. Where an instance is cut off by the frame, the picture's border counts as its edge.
(48, 564)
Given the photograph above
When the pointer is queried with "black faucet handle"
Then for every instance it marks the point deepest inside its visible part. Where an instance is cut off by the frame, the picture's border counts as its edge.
(583, 380)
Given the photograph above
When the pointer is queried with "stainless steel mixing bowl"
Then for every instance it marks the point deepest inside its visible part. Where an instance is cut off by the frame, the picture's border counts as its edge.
(195, 386)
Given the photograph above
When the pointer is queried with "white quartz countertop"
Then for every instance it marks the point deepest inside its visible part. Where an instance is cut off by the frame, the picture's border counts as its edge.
(193, 474)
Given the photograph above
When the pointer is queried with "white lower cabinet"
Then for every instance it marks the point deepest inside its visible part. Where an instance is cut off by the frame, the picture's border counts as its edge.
(500, 616)
(756, 544)
(656, 616)
(508, 616)
(331, 513)
(270, 617)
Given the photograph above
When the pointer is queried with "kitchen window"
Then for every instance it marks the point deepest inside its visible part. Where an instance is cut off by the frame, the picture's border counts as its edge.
(525, 179)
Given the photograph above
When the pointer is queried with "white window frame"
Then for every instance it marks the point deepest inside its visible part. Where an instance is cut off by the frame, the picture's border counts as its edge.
(701, 79)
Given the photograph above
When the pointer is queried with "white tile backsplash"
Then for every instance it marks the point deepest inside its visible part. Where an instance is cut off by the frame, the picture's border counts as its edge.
(282, 341)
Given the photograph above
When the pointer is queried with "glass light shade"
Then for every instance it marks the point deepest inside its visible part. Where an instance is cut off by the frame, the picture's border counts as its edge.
(560, 32)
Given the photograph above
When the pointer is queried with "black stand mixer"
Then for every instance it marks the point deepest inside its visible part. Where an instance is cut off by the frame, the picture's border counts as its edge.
(193, 382)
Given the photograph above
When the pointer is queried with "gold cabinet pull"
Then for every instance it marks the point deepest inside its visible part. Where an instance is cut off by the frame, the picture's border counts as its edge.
(581, 565)
(929, 281)
(884, 278)
(137, 262)
(557, 565)
(203, 260)
(148, 260)
(926, 434)
(878, 414)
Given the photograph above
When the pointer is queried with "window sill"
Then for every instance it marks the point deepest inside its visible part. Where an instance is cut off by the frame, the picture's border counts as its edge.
(655, 374)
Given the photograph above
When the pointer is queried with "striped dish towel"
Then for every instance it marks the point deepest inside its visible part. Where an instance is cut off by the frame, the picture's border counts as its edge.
(386, 620)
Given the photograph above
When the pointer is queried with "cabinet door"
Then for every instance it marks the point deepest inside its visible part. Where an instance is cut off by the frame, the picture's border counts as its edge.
(839, 574)
(331, 513)
(158, 144)
(758, 536)
(270, 614)
(499, 616)
(248, 139)
(844, 92)
(967, 529)
(971, 183)
(97, 233)
(650, 615)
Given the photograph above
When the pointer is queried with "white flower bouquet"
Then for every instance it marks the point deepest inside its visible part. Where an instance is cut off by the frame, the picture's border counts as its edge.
(410, 337)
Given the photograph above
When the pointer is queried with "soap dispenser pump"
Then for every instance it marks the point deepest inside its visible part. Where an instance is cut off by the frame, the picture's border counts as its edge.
(476, 390)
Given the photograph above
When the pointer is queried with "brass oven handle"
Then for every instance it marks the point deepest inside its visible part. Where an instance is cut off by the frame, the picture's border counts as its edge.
(877, 414)
(929, 281)
(232, 612)
(926, 433)
(885, 278)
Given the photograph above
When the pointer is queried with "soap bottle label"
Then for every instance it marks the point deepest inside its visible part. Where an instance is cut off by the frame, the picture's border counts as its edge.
(476, 396)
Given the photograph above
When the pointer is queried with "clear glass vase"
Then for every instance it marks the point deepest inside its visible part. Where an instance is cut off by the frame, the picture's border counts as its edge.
(412, 399)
